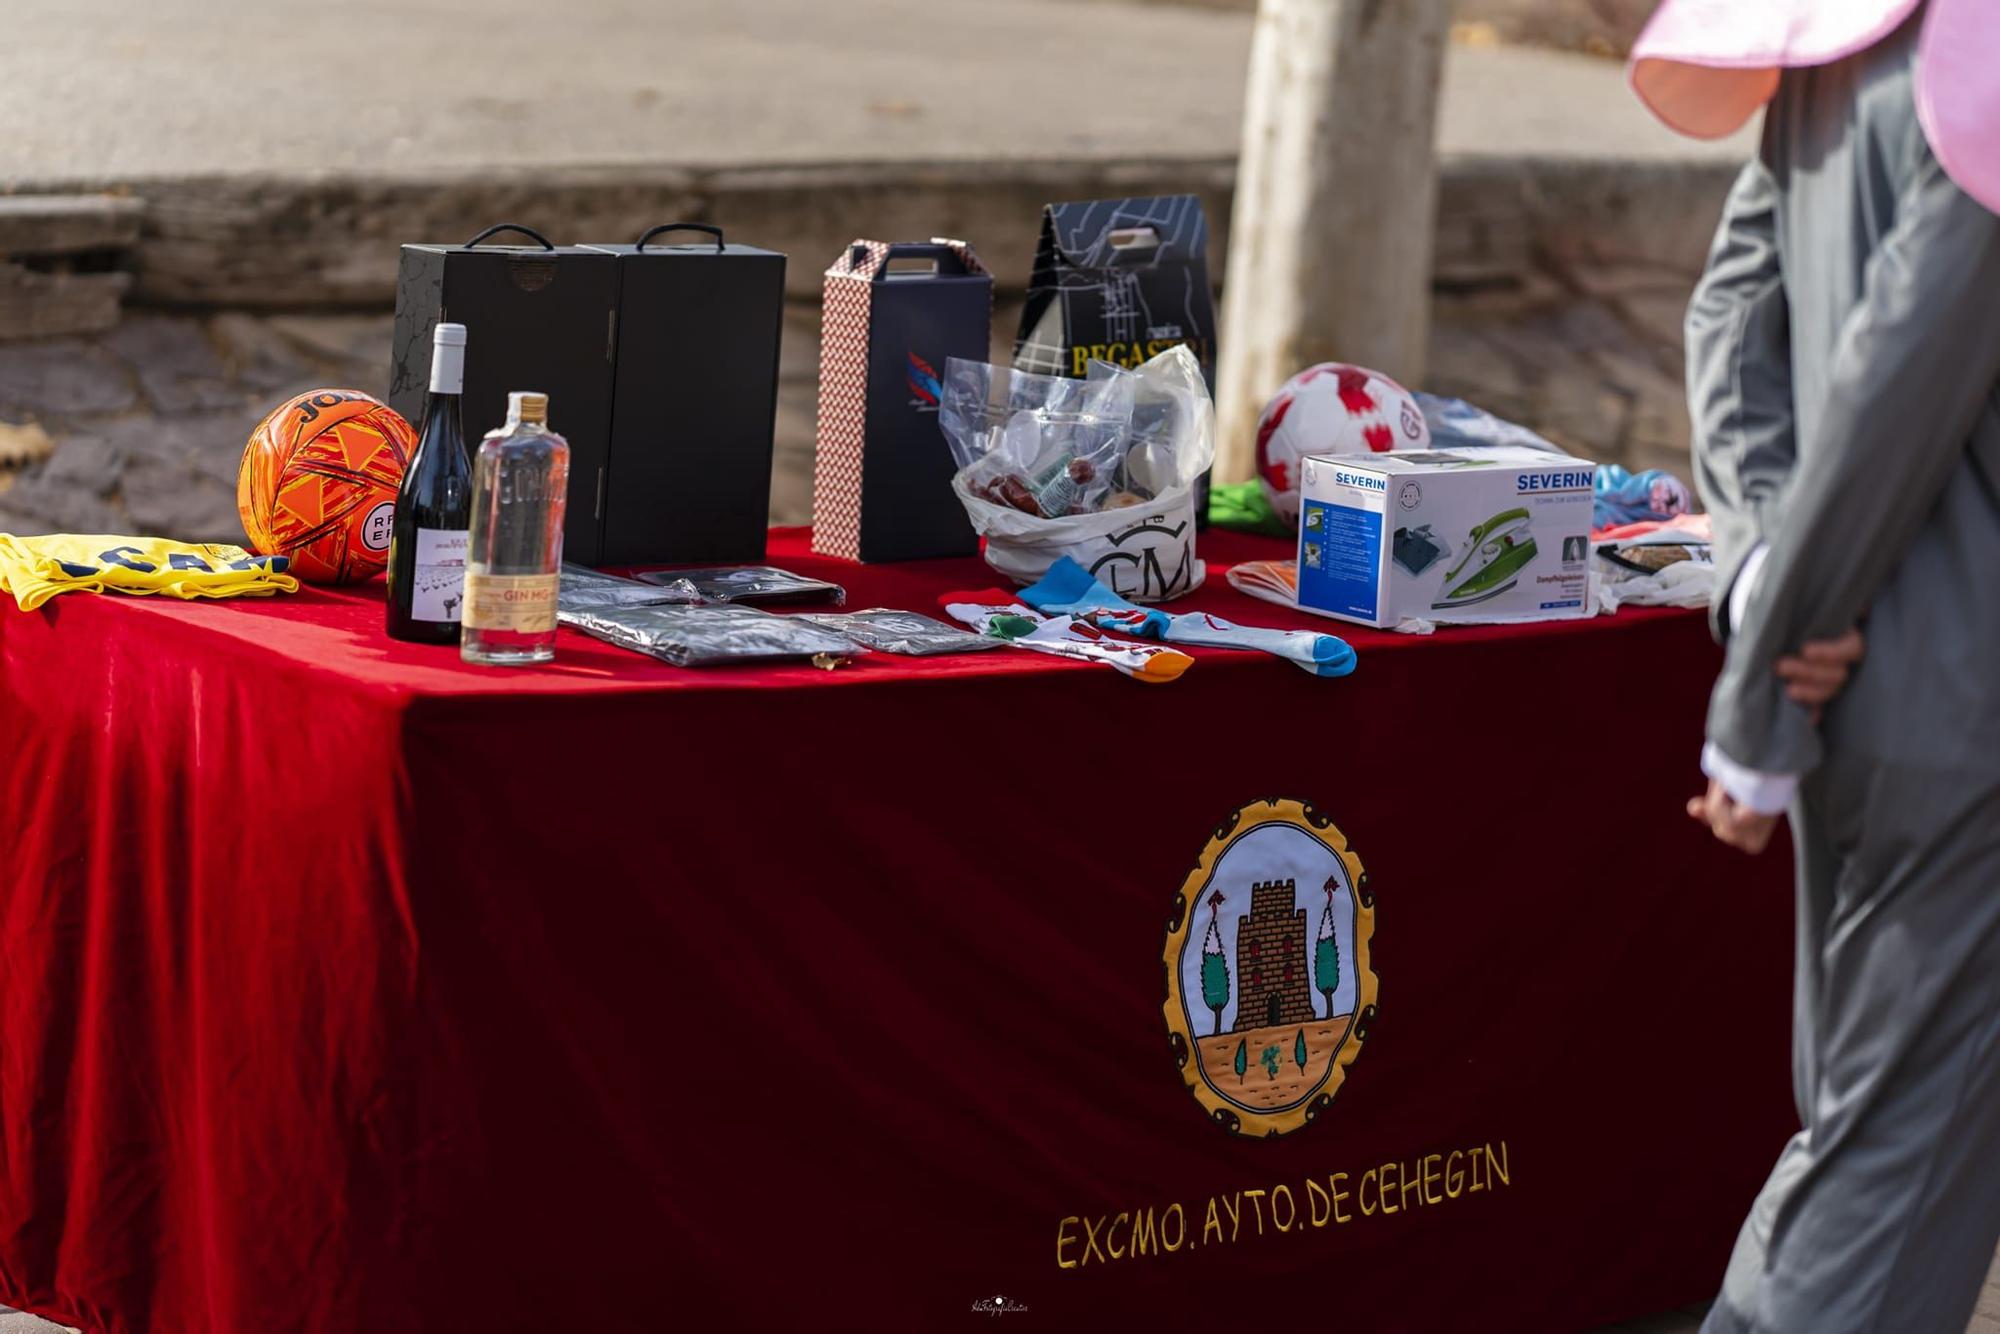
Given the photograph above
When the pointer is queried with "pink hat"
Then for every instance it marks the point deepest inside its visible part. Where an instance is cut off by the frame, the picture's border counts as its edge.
(1706, 66)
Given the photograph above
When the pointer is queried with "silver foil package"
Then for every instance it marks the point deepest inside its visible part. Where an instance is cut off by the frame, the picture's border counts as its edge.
(585, 589)
(890, 631)
(705, 636)
(750, 583)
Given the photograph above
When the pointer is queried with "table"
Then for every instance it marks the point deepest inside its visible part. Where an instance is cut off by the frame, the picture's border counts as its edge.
(346, 987)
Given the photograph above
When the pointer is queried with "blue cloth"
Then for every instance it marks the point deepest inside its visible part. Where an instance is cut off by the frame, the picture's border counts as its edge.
(1456, 424)
(1069, 589)
(1628, 497)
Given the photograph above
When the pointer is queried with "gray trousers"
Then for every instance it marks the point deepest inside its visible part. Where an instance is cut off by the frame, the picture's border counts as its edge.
(1883, 1213)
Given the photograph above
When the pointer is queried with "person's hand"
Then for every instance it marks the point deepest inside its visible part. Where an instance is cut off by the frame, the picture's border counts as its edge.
(1731, 821)
(1818, 672)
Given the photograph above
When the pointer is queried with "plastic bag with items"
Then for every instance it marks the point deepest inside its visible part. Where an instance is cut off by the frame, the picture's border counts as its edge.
(706, 636)
(1100, 469)
(1042, 445)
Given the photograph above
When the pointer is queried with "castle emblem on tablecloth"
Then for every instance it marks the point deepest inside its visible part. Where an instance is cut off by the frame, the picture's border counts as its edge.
(1269, 988)
(1271, 953)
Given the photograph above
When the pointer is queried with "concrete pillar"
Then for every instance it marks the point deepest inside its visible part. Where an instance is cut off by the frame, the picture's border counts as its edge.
(1330, 242)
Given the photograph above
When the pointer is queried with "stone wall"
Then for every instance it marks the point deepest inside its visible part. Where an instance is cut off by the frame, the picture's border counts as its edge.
(1557, 303)
(148, 422)
(1600, 27)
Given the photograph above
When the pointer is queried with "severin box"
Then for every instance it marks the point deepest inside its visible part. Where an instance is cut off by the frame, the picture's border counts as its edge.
(893, 315)
(1493, 535)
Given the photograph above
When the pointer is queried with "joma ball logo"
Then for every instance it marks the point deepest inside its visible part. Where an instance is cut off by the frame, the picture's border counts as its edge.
(310, 408)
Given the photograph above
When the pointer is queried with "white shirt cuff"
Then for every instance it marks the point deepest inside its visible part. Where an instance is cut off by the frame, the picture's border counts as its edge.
(1746, 583)
(1766, 794)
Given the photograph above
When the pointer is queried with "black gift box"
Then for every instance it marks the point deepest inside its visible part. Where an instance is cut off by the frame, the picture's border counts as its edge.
(538, 317)
(660, 363)
(1120, 280)
(695, 401)
(881, 467)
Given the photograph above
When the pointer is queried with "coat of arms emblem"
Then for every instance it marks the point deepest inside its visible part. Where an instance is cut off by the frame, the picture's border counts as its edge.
(1269, 987)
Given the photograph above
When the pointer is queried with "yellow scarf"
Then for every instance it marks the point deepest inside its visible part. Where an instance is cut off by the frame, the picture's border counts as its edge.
(35, 569)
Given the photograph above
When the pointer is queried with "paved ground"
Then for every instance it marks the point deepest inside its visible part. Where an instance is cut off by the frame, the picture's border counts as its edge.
(99, 90)
(13, 1322)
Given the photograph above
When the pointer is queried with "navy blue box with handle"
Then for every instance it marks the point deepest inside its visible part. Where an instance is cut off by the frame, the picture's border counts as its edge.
(893, 315)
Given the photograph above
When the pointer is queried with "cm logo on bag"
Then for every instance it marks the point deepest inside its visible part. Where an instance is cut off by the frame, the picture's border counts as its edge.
(1151, 561)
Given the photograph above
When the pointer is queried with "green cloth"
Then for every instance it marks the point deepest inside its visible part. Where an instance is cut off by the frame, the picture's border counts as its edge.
(1244, 507)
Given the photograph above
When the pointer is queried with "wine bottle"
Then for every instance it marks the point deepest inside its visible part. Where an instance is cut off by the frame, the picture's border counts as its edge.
(513, 564)
(434, 509)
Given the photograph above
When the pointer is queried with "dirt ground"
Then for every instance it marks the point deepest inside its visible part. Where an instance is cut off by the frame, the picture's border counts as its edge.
(1258, 1087)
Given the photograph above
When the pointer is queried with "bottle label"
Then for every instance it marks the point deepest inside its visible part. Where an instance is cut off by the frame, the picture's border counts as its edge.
(437, 589)
(524, 603)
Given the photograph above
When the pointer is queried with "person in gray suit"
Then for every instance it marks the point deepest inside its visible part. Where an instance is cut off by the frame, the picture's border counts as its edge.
(1844, 384)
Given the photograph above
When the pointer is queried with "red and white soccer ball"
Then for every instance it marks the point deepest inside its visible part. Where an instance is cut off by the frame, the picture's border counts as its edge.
(1332, 409)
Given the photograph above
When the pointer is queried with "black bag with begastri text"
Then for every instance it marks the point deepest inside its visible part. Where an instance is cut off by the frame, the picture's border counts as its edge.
(1120, 280)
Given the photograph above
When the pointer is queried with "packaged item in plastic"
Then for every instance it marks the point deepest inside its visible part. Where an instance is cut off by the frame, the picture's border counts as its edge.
(1101, 470)
(583, 589)
(1456, 426)
(1009, 489)
(706, 636)
(890, 631)
(750, 583)
(1171, 441)
(1058, 440)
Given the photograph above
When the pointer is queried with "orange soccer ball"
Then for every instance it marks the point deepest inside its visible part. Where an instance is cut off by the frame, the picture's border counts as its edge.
(318, 484)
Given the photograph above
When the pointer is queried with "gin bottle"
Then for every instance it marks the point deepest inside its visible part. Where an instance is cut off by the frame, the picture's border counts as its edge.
(514, 554)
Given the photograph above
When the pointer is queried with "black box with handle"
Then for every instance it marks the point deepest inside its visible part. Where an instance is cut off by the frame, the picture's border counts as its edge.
(661, 366)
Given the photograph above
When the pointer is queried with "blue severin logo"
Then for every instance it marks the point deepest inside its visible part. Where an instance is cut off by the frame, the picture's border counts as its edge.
(923, 381)
(1553, 481)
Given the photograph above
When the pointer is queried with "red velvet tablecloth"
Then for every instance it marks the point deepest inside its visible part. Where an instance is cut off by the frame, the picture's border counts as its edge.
(345, 987)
